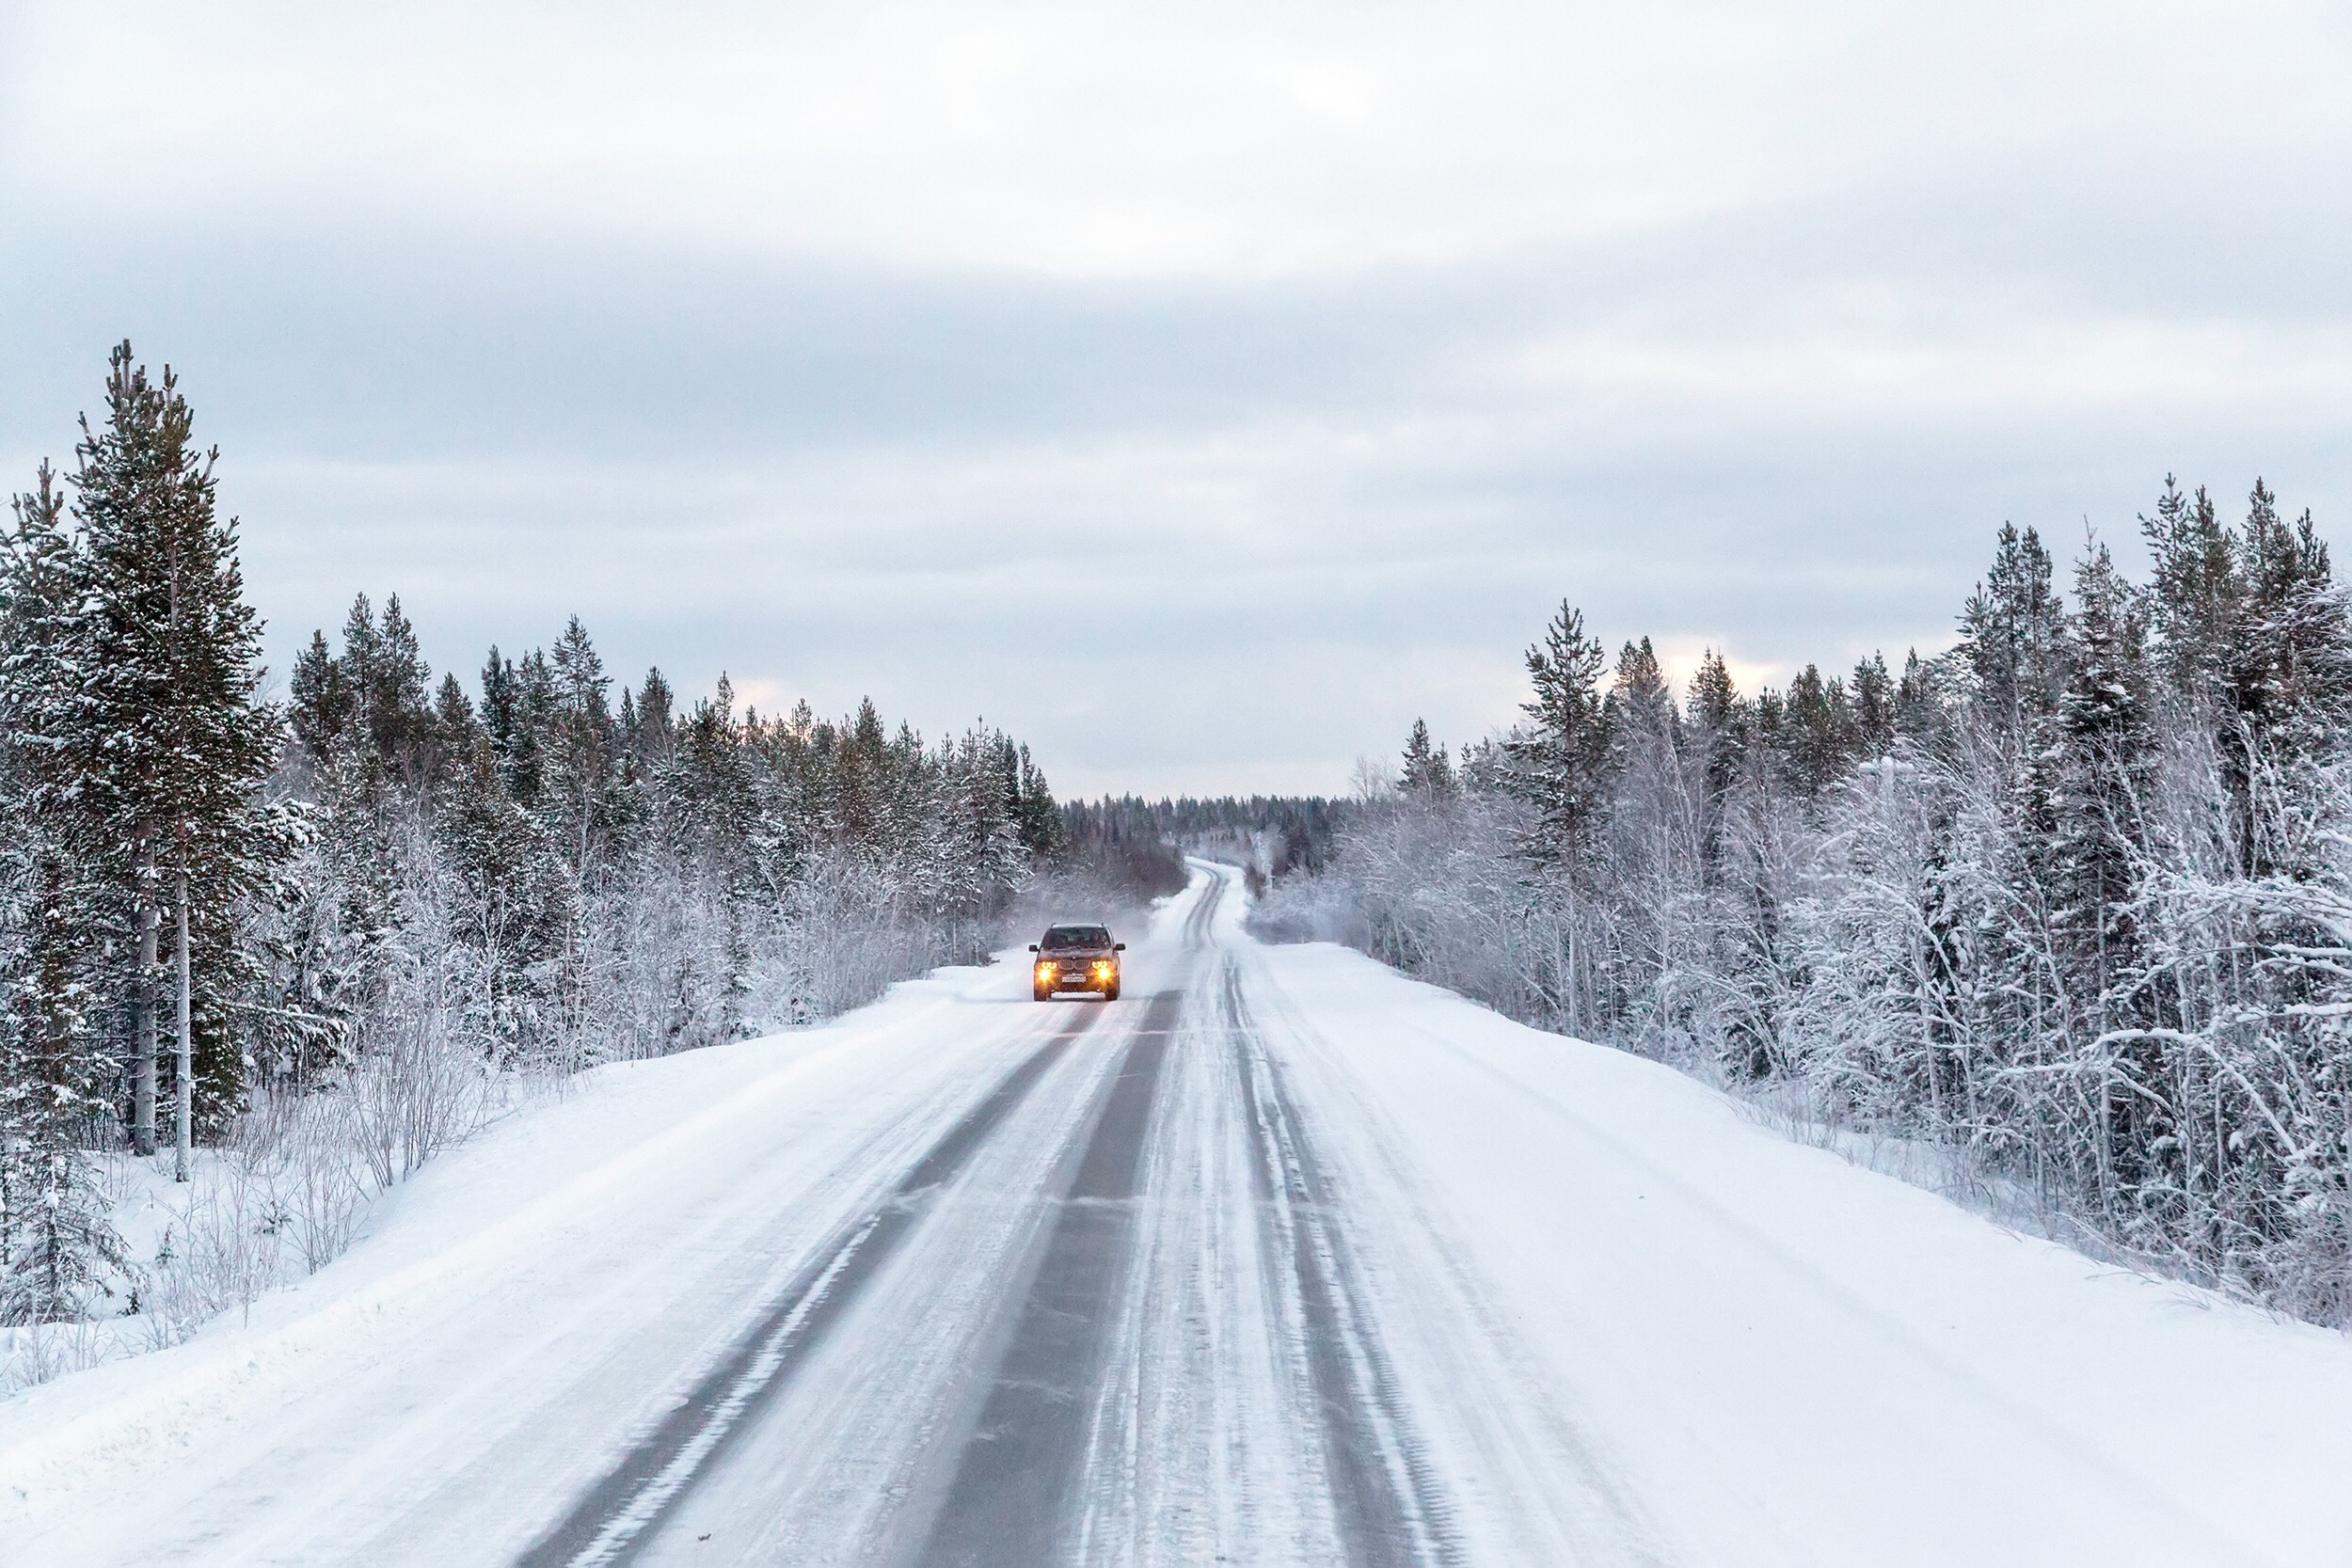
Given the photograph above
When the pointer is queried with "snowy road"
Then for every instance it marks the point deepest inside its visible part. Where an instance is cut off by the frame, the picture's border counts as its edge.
(1282, 1260)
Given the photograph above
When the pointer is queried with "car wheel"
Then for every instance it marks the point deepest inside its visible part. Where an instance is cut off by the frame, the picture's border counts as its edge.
(1110, 993)
(1041, 995)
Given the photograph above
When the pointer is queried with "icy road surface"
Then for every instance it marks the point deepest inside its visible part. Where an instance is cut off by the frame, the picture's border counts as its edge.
(1282, 1260)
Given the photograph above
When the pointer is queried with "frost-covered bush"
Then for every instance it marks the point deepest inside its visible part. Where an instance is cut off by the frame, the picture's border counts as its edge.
(437, 898)
(2073, 901)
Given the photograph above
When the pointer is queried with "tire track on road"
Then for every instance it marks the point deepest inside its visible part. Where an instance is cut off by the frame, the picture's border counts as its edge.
(1388, 1507)
(1202, 916)
(1531, 1478)
(1017, 1493)
(1021, 1475)
(608, 1523)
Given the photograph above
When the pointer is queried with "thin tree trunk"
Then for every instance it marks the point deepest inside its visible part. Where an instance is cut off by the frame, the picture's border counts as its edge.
(143, 1028)
(187, 1036)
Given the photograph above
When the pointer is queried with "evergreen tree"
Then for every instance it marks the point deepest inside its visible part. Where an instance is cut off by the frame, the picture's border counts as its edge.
(456, 732)
(2104, 739)
(1874, 711)
(2194, 592)
(2290, 671)
(2012, 636)
(1560, 760)
(172, 748)
(517, 702)
(514, 909)
(385, 671)
(1820, 736)
(1039, 820)
(320, 706)
(1921, 717)
(649, 731)
(2100, 764)
(1719, 717)
(1639, 701)
(56, 1240)
(583, 807)
(1428, 771)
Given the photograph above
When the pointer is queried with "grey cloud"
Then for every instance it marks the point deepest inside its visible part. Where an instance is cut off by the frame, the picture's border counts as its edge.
(1297, 512)
(360, 345)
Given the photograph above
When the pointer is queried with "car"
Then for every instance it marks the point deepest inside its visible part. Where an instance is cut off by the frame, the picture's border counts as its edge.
(1076, 958)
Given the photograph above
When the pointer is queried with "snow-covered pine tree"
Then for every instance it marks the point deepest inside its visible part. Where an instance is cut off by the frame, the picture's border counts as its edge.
(1560, 760)
(1427, 770)
(376, 746)
(510, 911)
(1653, 835)
(175, 676)
(456, 729)
(2194, 594)
(1873, 696)
(56, 1242)
(395, 697)
(373, 696)
(1035, 815)
(123, 470)
(319, 702)
(1717, 718)
(583, 808)
(709, 817)
(2012, 639)
(1821, 737)
(2103, 742)
(172, 748)
(2097, 768)
(2290, 667)
(1560, 765)
(1922, 715)
(517, 699)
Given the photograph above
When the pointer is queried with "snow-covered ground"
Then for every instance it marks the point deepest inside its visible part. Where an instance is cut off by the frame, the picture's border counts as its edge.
(1282, 1259)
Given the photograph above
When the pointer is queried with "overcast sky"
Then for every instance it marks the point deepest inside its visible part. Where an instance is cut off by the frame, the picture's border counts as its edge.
(1201, 392)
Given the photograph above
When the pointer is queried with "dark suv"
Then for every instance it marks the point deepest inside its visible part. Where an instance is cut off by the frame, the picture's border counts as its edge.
(1076, 958)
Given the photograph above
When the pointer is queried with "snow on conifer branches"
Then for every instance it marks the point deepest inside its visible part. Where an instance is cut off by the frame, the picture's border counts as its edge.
(397, 899)
(2075, 897)
(132, 787)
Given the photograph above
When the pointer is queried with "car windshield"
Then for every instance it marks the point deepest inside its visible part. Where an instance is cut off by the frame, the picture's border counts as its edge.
(1076, 936)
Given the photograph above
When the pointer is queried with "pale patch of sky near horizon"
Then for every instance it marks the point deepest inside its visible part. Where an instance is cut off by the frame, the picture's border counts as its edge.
(1199, 394)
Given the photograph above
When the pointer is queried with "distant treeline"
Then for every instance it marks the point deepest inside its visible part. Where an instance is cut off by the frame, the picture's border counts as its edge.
(1271, 833)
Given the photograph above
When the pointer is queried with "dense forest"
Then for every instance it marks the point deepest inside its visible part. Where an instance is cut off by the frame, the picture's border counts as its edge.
(2074, 899)
(331, 935)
